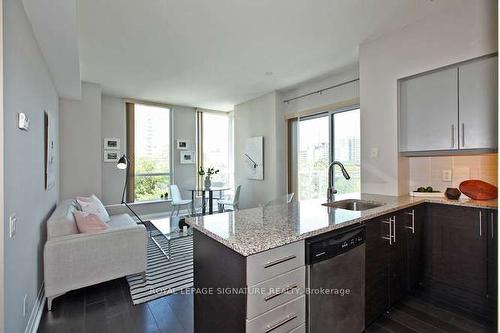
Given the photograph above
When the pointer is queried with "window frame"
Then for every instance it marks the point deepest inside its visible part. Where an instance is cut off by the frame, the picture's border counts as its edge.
(331, 136)
(131, 145)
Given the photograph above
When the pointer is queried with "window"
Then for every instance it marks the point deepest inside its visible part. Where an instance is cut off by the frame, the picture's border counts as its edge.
(216, 148)
(314, 157)
(320, 140)
(149, 152)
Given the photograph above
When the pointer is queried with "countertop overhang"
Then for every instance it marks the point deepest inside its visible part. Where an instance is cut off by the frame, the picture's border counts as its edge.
(253, 230)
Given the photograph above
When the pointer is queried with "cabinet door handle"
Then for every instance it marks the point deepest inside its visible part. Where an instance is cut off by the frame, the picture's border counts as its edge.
(282, 322)
(492, 225)
(394, 229)
(463, 135)
(480, 224)
(452, 136)
(388, 237)
(412, 214)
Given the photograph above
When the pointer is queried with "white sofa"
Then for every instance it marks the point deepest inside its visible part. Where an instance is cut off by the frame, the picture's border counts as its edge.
(73, 260)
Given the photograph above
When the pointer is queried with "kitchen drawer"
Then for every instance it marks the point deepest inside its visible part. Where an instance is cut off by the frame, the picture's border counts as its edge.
(282, 319)
(276, 291)
(265, 265)
(300, 329)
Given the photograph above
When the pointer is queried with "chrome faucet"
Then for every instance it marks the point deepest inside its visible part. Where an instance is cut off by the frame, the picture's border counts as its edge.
(331, 191)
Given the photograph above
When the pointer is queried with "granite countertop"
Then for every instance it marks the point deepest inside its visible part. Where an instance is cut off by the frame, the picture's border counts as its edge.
(249, 231)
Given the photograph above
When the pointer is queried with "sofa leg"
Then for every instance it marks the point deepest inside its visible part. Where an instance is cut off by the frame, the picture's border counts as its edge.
(143, 276)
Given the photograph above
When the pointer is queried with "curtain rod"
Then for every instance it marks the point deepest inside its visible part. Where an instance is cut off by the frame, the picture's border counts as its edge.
(320, 91)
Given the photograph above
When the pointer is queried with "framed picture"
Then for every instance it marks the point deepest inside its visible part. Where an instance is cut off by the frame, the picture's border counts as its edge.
(254, 157)
(111, 156)
(182, 144)
(187, 157)
(50, 156)
(112, 143)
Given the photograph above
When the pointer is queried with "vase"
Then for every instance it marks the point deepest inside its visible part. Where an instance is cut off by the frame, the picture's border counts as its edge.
(208, 182)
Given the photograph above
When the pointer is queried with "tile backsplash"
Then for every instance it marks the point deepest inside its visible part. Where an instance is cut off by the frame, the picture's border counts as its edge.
(428, 171)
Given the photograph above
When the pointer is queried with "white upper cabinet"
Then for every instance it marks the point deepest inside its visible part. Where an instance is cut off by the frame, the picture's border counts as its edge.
(478, 104)
(428, 112)
(450, 110)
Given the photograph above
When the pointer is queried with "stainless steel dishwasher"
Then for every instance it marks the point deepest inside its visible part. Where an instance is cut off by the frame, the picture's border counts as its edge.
(336, 281)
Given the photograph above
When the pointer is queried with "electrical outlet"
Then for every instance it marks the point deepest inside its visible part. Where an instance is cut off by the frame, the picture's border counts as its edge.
(446, 175)
(25, 305)
(12, 225)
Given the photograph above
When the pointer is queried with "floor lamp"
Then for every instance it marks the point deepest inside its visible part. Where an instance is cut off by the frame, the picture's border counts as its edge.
(123, 164)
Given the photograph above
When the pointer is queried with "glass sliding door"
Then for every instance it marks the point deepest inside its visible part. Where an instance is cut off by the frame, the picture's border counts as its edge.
(313, 157)
(333, 136)
(346, 138)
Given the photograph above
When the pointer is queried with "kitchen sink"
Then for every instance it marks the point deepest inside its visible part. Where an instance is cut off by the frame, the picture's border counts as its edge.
(353, 204)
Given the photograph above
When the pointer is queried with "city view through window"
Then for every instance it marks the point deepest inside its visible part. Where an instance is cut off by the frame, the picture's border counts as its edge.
(314, 153)
(152, 152)
(216, 147)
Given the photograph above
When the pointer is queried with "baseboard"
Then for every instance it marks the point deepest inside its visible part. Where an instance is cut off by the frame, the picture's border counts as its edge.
(36, 312)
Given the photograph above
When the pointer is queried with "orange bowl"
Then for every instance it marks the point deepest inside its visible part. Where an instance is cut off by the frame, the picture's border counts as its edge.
(478, 190)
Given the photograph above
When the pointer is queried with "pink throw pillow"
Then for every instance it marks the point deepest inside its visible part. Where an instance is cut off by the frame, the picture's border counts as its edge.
(88, 222)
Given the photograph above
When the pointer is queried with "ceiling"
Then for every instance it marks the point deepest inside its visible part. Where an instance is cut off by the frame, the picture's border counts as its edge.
(218, 53)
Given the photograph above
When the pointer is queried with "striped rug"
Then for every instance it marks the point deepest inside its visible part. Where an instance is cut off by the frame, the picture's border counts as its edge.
(163, 276)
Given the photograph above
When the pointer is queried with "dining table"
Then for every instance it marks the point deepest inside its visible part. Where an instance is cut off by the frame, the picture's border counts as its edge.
(203, 191)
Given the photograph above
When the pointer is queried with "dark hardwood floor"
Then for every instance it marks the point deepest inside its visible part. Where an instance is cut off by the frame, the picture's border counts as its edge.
(107, 307)
(421, 312)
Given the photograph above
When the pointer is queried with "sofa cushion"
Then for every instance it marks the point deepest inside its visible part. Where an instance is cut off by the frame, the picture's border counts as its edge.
(93, 205)
(120, 221)
(88, 223)
(62, 221)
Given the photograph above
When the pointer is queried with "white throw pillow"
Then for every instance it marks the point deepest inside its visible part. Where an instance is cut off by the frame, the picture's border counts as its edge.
(93, 205)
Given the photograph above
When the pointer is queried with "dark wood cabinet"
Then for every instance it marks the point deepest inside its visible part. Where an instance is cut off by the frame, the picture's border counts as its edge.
(415, 223)
(398, 264)
(386, 264)
(376, 269)
(492, 241)
(459, 247)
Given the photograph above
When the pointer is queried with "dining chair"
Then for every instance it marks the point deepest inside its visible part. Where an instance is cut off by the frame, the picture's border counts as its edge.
(288, 198)
(177, 201)
(234, 202)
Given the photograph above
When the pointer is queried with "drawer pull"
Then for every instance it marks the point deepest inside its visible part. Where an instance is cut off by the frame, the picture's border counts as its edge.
(280, 323)
(319, 254)
(281, 292)
(279, 261)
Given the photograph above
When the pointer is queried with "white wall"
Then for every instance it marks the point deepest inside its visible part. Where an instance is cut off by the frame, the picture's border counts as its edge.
(467, 29)
(257, 117)
(184, 127)
(28, 88)
(113, 126)
(81, 144)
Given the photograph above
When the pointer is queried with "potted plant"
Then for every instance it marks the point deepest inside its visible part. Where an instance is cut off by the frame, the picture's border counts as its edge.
(208, 174)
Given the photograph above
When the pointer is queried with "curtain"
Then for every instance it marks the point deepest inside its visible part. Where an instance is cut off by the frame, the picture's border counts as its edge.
(199, 147)
(292, 154)
(130, 123)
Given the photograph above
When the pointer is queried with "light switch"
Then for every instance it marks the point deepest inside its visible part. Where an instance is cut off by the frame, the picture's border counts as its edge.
(23, 121)
(374, 152)
(12, 225)
(446, 175)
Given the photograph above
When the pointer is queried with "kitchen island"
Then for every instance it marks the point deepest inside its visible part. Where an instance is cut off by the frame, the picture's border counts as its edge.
(239, 257)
